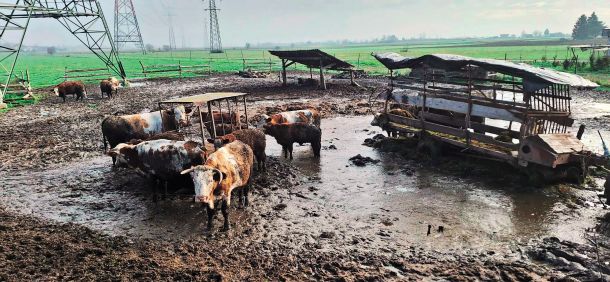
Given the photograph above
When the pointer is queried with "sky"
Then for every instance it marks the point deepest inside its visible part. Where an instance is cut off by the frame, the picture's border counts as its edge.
(287, 21)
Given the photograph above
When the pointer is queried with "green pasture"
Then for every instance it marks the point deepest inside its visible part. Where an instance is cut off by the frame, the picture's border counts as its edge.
(48, 70)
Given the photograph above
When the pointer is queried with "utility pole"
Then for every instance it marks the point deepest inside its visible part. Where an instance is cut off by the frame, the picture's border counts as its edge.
(215, 42)
(126, 27)
(82, 18)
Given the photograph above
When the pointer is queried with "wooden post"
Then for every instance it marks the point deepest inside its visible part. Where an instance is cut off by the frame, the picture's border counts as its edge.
(284, 82)
(322, 81)
(351, 76)
(230, 115)
(212, 118)
(161, 115)
(222, 119)
(201, 125)
(245, 110)
(237, 114)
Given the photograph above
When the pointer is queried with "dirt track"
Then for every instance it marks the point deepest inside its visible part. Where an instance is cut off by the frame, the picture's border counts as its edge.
(54, 150)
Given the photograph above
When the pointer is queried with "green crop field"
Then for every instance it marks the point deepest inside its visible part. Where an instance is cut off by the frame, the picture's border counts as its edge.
(48, 70)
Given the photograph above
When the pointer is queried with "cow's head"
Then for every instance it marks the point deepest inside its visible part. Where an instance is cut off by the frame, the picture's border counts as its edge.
(125, 154)
(182, 115)
(56, 91)
(206, 180)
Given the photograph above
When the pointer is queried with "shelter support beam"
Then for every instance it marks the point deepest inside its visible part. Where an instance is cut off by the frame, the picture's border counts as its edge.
(322, 80)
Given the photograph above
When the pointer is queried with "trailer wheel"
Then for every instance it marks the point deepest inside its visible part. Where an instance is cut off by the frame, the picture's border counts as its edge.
(429, 147)
(575, 175)
(536, 178)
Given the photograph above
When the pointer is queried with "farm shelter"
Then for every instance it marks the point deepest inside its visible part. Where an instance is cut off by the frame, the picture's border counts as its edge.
(82, 18)
(517, 113)
(212, 102)
(313, 59)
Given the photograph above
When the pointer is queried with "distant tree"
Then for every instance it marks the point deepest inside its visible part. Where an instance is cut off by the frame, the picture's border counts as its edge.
(537, 33)
(594, 26)
(150, 48)
(248, 45)
(167, 48)
(580, 30)
(51, 50)
(547, 32)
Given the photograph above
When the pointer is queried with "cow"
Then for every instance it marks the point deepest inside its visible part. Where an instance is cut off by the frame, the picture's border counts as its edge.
(218, 118)
(161, 160)
(288, 134)
(169, 135)
(308, 116)
(76, 88)
(110, 86)
(122, 129)
(229, 168)
(224, 128)
(252, 137)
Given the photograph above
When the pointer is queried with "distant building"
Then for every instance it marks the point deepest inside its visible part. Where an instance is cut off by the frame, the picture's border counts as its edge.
(606, 34)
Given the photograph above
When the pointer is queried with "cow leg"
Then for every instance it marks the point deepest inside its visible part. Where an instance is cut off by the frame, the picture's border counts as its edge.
(240, 199)
(225, 214)
(246, 192)
(291, 147)
(164, 189)
(155, 190)
(113, 161)
(211, 213)
(285, 151)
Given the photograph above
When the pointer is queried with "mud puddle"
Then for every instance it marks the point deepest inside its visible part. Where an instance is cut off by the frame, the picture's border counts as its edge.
(396, 199)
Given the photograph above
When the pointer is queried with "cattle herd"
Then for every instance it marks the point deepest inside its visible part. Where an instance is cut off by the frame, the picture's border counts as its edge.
(151, 144)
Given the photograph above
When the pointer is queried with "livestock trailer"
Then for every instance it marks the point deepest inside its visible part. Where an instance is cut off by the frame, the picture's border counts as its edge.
(499, 110)
(214, 104)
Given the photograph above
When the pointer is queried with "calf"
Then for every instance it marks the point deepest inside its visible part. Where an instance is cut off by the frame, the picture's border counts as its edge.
(122, 129)
(161, 160)
(309, 116)
(169, 135)
(228, 168)
(218, 118)
(252, 137)
(110, 85)
(224, 128)
(76, 88)
(288, 134)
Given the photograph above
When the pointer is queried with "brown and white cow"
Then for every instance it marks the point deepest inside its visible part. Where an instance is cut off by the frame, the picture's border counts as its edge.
(76, 88)
(254, 138)
(122, 129)
(308, 116)
(218, 118)
(110, 86)
(162, 160)
(229, 168)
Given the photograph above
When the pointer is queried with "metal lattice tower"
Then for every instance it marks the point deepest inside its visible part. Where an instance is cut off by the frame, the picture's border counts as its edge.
(126, 27)
(172, 35)
(215, 42)
(82, 18)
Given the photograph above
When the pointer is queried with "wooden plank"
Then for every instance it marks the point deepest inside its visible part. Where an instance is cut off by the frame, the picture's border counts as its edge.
(474, 125)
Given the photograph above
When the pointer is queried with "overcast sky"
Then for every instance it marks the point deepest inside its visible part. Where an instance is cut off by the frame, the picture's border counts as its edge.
(287, 21)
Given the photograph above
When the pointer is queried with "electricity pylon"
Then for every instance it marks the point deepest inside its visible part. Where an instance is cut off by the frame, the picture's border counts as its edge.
(215, 42)
(126, 27)
(82, 18)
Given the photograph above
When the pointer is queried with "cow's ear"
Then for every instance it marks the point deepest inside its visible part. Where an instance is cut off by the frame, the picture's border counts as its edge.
(226, 141)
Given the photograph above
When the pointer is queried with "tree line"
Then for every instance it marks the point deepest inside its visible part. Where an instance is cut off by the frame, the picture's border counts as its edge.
(588, 27)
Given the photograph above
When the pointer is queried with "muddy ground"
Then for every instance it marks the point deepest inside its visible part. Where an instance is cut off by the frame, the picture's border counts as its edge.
(66, 214)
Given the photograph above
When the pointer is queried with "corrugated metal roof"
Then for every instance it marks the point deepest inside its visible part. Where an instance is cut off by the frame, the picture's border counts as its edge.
(528, 73)
(203, 99)
(313, 59)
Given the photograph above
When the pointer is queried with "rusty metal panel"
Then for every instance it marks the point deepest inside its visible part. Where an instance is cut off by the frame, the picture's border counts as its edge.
(562, 143)
(313, 59)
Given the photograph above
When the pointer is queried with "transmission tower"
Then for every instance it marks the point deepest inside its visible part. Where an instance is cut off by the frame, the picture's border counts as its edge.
(126, 27)
(83, 18)
(172, 35)
(215, 42)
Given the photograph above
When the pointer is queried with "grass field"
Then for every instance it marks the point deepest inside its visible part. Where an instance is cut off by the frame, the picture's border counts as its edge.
(47, 70)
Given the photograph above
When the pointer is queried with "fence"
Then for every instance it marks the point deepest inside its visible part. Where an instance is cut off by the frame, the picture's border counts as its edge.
(175, 70)
(87, 75)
